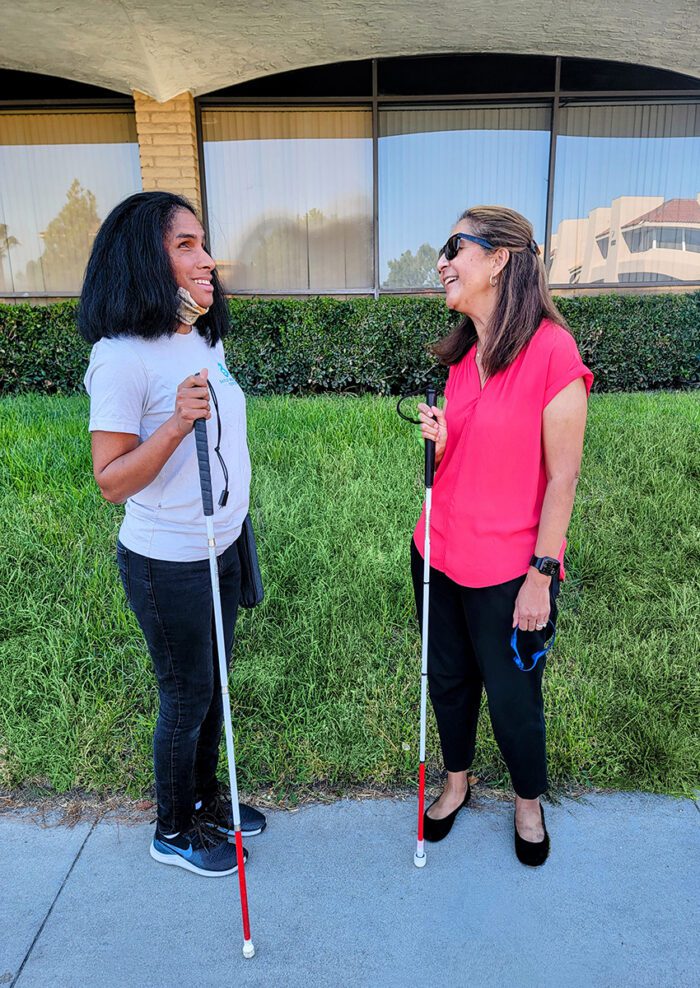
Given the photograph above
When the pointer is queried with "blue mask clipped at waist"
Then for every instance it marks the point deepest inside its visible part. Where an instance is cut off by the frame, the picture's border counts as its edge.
(550, 630)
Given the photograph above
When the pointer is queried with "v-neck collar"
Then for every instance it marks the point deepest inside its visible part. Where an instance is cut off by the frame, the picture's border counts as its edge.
(478, 375)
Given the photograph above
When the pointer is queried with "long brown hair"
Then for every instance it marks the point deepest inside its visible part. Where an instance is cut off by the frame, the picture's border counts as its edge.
(524, 299)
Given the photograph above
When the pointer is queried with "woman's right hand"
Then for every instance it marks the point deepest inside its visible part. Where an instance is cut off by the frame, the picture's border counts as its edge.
(191, 402)
(434, 426)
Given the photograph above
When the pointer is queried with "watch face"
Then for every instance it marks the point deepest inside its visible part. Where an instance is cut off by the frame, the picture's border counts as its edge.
(550, 567)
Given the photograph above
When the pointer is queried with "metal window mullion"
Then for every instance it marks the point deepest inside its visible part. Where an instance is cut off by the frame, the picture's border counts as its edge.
(228, 102)
(627, 95)
(554, 133)
(28, 296)
(68, 106)
(202, 173)
(375, 177)
(292, 292)
(627, 286)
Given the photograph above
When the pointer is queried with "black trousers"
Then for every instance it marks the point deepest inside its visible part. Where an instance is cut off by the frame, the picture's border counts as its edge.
(173, 604)
(469, 650)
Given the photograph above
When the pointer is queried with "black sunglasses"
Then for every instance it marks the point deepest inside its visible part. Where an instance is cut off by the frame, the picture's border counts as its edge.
(451, 248)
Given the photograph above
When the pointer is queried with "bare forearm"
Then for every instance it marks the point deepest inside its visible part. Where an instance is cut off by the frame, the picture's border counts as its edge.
(556, 514)
(130, 473)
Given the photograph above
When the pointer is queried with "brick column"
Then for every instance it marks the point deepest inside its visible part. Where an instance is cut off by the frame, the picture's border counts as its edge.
(168, 145)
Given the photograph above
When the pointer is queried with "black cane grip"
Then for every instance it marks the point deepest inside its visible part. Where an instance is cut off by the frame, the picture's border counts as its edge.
(430, 400)
(200, 438)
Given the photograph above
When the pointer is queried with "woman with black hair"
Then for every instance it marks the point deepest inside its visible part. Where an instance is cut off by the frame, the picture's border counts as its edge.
(153, 307)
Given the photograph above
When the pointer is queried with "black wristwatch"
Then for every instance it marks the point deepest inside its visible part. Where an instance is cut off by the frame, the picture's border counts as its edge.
(546, 565)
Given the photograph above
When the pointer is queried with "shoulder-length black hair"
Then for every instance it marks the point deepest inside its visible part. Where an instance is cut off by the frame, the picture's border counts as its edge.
(129, 287)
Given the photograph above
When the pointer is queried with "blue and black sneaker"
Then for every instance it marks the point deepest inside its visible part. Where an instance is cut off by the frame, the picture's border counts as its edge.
(216, 813)
(199, 849)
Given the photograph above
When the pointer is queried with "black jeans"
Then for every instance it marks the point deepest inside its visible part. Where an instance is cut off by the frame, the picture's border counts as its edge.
(173, 604)
(469, 650)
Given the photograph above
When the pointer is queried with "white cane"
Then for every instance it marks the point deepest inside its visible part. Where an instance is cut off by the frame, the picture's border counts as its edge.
(419, 857)
(200, 433)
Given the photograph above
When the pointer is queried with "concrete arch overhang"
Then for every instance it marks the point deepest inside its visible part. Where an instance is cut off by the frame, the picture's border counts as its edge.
(165, 47)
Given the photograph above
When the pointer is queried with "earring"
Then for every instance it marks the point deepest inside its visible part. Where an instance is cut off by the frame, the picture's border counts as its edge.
(493, 280)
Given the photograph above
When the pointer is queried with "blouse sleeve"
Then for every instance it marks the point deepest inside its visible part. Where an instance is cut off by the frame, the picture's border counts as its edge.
(565, 366)
(117, 383)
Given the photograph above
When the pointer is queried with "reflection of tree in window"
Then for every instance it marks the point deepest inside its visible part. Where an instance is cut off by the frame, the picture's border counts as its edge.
(312, 251)
(67, 242)
(6, 243)
(417, 270)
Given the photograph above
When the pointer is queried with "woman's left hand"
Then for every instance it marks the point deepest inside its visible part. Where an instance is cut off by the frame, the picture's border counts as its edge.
(532, 605)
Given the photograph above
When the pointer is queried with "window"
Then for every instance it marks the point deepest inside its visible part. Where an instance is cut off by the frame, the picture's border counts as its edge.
(289, 198)
(435, 162)
(627, 193)
(293, 207)
(60, 174)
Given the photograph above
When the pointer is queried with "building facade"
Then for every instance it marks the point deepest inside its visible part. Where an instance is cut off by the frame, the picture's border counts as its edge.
(345, 178)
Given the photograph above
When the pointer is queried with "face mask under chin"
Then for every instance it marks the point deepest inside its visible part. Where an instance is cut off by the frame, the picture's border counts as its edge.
(188, 312)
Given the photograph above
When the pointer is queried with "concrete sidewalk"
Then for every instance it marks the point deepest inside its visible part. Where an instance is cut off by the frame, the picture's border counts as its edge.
(336, 900)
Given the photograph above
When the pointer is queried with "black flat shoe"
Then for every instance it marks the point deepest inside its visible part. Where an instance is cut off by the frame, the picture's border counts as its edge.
(533, 853)
(435, 830)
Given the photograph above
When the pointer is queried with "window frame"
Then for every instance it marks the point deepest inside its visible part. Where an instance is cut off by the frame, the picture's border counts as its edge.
(554, 98)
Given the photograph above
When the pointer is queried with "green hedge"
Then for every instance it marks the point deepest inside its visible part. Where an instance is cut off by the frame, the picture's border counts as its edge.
(292, 346)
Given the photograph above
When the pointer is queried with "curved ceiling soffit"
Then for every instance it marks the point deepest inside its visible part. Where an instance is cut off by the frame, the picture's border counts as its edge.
(164, 48)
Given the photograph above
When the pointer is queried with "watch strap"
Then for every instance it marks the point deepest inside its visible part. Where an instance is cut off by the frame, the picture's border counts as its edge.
(546, 565)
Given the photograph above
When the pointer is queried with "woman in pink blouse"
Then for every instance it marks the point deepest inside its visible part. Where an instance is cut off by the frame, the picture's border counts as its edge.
(508, 447)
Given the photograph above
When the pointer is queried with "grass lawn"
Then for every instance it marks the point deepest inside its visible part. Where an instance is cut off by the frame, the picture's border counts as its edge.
(325, 683)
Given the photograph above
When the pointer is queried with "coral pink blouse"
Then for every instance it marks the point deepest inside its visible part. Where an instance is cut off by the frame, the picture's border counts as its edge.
(490, 485)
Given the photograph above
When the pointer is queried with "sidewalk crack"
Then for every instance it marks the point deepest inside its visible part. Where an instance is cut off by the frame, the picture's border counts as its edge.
(50, 910)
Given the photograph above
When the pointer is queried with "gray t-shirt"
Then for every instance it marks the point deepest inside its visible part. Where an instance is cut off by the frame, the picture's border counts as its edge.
(132, 384)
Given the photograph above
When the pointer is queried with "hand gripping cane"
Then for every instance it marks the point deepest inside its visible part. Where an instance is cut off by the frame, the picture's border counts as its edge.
(200, 433)
(419, 857)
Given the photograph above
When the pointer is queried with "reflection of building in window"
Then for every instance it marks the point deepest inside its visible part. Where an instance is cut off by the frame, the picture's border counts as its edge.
(637, 239)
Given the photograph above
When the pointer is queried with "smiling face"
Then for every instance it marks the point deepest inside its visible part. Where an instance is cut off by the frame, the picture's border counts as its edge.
(192, 266)
(466, 277)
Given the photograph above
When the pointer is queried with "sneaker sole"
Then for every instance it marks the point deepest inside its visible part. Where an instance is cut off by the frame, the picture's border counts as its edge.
(244, 833)
(180, 862)
(231, 834)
